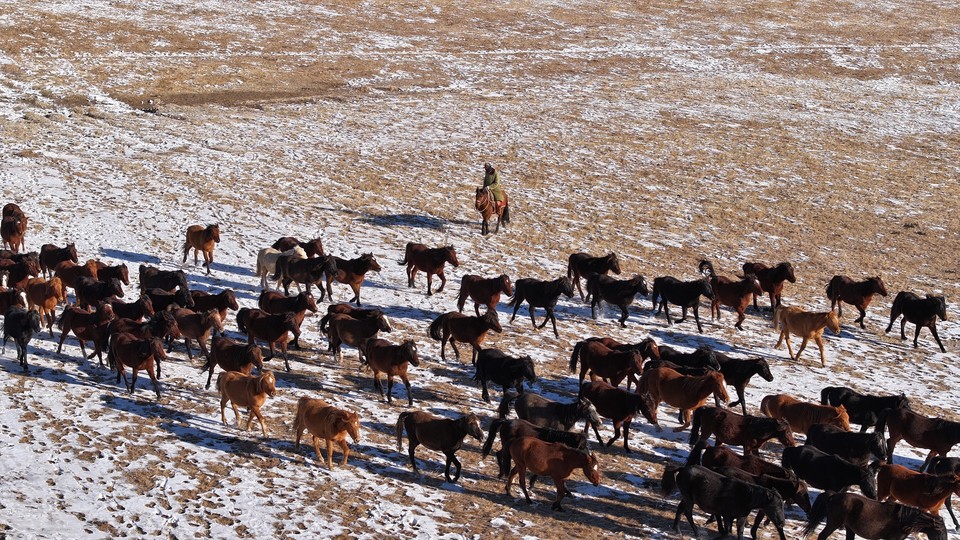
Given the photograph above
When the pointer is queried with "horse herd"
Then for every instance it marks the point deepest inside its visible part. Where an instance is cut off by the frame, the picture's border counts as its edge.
(139, 335)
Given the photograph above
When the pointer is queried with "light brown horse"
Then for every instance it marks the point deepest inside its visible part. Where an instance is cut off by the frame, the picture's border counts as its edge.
(801, 415)
(556, 460)
(736, 293)
(454, 326)
(201, 239)
(246, 391)
(488, 208)
(430, 260)
(44, 296)
(198, 326)
(686, 392)
(807, 325)
(922, 490)
(857, 293)
(436, 433)
(232, 355)
(392, 360)
(128, 350)
(324, 421)
(483, 291)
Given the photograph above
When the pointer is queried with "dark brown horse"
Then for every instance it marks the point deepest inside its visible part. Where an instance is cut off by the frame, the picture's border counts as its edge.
(127, 350)
(545, 412)
(870, 519)
(168, 280)
(106, 272)
(608, 364)
(736, 293)
(293, 269)
(750, 432)
(274, 303)
(197, 326)
(69, 271)
(863, 409)
(488, 207)
(352, 272)
(686, 294)
(543, 294)
(161, 325)
(18, 273)
(455, 326)
(555, 460)
(274, 329)
(494, 365)
(12, 230)
(922, 312)
(163, 299)
(581, 265)
(393, 361)
(951, 466)
(771, 279)
(222, 301)
(511, 430)
(12, 210)
(91, 292)
(231, 355)
(86, 326)
(620, 406)
(11, 297)
(355, 332)
(346, 309)
(201, 239)
(483, 291)
(137, 311)
(21, 325)
(441, 434)
(857, 293)
(934, 434)
(619, 292)
(51, 256)
(313, 248)
(419, 257)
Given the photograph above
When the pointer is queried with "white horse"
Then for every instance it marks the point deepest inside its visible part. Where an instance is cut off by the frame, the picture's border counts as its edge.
(267, 261)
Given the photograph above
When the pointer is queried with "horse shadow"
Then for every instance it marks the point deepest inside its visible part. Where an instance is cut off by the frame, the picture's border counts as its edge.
(417, 221)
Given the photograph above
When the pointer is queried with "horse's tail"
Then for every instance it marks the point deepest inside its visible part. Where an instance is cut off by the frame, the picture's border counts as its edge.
(576, 355)
(298, 422)
(324, 321)
(706, 267)
(401, 421)
(668, 482)
(777, 310)
(241, 316)
(881, 425)
(462, 297)
(406, 255)
(436, 326)
(517, 297)
(481, 373)
(896, 309)
(280, 267)
(818, 512)
(655, 293)
(696, 453)
(62, 317)
(831, 291)
(186, 247)
(508, 397)
(695, 428)
(488, 444)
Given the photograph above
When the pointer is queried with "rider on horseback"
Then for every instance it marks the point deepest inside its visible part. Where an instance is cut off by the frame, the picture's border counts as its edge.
(491, 181)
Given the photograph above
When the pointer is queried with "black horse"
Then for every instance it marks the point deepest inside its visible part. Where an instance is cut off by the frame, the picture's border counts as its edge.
(827, 471)
(510, 430)
(20, 325)
(154, 278)
(545, 412)
(857, 448)
(922, 312)
(619, 292)
(507, 371)
(793, 490)
(702, 357)
(871, 519)
(946, 465)
(583, 264)
(162, 299)
(543, 294)
(863, 409)
(686, 294)
(737, 373)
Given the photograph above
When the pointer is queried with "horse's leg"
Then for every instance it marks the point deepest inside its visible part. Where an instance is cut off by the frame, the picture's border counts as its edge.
(623, 316)
(452, 458)
(223, 403)
(411, 274)
(926, 462)
(740, 399)
(949, 506)
(626, 434)
(903, 326)
(522, 471)
(688, 511)
(286, 359)
(443, 279)
(429, 282)
(532, 318)
(696, 317)
(453, 345)
(156, 385)
(785, 335)
(933, 330)
(863, 314)
(685, 417)
(561, 491)
(133, 381)
(484, 394)
(823, 357)
(329, 453)
(406, 384)
(316, 446)
(553, 321)
(616, 434)
(443, 345)
(345, 450)
(666, 311)
(186, 343)
(208, 259)
(803, 344)
(740, 318)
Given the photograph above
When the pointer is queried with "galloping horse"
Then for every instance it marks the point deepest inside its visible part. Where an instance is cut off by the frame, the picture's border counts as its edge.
(857, 293)
(686, 294)
(728, 292)
(543, 294)
(922, 312)
(201, 239)
(793, 320)
(488, 207)
(483, 291)
(771, 279)
(583, 264)
(430, 261)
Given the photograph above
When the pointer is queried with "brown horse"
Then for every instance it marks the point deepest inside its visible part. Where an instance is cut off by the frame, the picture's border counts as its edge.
(392, 360)
(922, 490)
(355, 332)
(222, 301)
(488, 208)
(430, 260)
(44, 296)
(857, 293)
(771, 279)
(161, 325)
(12, 230)
(807, 325)
(729, 292)
(274, 303)
(454, 326)
(19, 272)
(137, 311)
(483, 291)
(750, 432)
(128, 350)
(231, 355)
(12, 210)
(91, 292)
(87, 326)
(620, 406)
(801, 415)
(352, 272)
(201, 239)
(871, 519)
(606, 363)
(324, 421)
(934, 434)
(245, 391)
(311, 248)
(273, 329)
(441, 434)
(580, 265)
(685, 392)
(11, 297)
(556, 460)
(69, 271)
(198, 326)
(106, 272)
(51, 256)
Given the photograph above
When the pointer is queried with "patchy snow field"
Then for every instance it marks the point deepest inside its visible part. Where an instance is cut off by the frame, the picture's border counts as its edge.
(822, 133)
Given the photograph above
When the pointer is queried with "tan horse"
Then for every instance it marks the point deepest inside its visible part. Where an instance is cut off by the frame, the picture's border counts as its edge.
(201, 239)
(686, 392)
(44, 296)
(922, 490)
(801, 415)
(807, 325)
(245, 391)
(327, 422)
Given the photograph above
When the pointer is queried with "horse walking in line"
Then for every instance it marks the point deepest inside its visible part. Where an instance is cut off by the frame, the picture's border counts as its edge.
(87, 326)
(274, 329)
(201, 239)
(436, 433)
(771, 280)
(45, 296)
(324, 421)
(455, 326)
(620, 406)
(488, 208)
(221, 301)
(139, 354)
(198, 326)
(493, 365)
(355, 332)
(583, 264)
(483, 291)
(801, 415)
(393, 361)
(606, 363)
(511, 430)
(827, 471)
(923, 490)
(137, 311)
(857, 448)
(168, 280)
(934, 434)
(922, 312)
(543, 294)
(750, 432)
(274, 303)
(312, 271)
(352, 272)
(856, 293)
(870, 519)
(729, 292)
(686, 294)
(737, 373)
(267, 262)
(232, 355)
(685, 392)
(20, 324)
(549, 459)
(619, 292)
(863, 409)
(51, 256)
(547, 413)
(419, 257)
(246, 391)
(311, 248)
(807, 325)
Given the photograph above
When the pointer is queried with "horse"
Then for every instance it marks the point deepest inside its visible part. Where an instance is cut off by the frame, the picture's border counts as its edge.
(440, 434)
(324, 421)
(922, 312)
(730, 499)
(771, 280)
(686, 294)
(827, 471)
(703, 357)
(198, 326)
(801, 415)
(951, 466)
(91, 292)
(232, 355)
(137, 311)
(619, 292)
(168, 280)
(163, 299)
(606, 363)
(44, 296)
(352, 272)
(455, 326)
(729, 292)
(510, 430)
(857, 448)
(201, 239)
(51, 256)
(792, 490)
(346, 309)
(106, 272)
(20, 324)
(273, 329)
(750, 432)
(723, 456)
(793, 320)
(354, 332)
(737, 373)
(87, 326)
(583, 264)
(312, 248)
(863, 409)
(275, 303)
(934, 434)
(923, 490)
(12, 210)
(267, 261)
(620, 406)
(12, 230)
(483, 291)
(161, 325)
(222, 301)
(488, 208)
(543, 294)
(11, 297)
(682, 391)
(647, 346)
(857, 293)
(392, 360)
(69, 272)
(554, 459)
(246, 391)
(545, 412)
(293, 269)
(507, 371)
(128, 350)
(18, 273)
(430, 260)
(871, 519)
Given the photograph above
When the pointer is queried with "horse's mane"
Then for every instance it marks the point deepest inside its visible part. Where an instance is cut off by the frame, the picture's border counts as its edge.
(915, 520)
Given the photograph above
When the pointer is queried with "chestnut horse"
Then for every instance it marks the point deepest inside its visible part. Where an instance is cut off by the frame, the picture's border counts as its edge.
(488, 207)
(729, 292)
(483, 291)
(750, 432)
(246, 391)
(352, 272)
(801, 415)
(455, 326)
(555, 460)
(201, 239)
(430, 260)
(232, 355)
(275, 303)
(311, 248)
(934, 434)
(324, 421)
(870, 519)
(923, 490)
(441, 434)
(620, 406)
(543, 294)
(771, 279)
(12, 230)
(685, 392)
(69, 271)
(793, 320)
(583, 264)
(222, 301)
(857, 293)
(392, 360)
(106, 272)
(511, 430)
(198, 326)
(44, 296)
(128, 350)
(606, 363)
(51, 256)
(922, 312)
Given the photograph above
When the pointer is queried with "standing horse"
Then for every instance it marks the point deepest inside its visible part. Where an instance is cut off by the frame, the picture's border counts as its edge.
(352, 272)
(619, 292)
(771, 280)
(934, 434)
(871, 519)
(728, 292)
(547, 413)
(231, 355)
(750, 432)
(483, 291)
(857, 293)
(686, 294)
(455, 326)
(543, 294)
(801, 415)
(441, 434)
(488, 208)
(393, 361)
(583, 264)
(274, 303)
(127, 350)
(324, 421)
(12, 230)
(606, 363)
(793, 320)
(507, 371)
(620, 406)
(201, 239)
(44, 296)
(922, 312)
(20, 324)
(430, 260)
(551, 459)
(685, 392)
(863, 409)
(51, 256)
(510, 430)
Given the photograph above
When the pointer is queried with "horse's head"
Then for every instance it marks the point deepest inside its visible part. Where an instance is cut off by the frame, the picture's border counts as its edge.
(529, 372)
(370, 262)
(147, 305)
(842, 420)
(351, 424)
(786, 269)
(588, 412)
(72, 252)
(408, 352)
(505, 285)
(165, 323)
(868, 479)
(833, 322)
(266, 383)
(33, 319)
(877, 286)
(648, 407)
(491, 321)
(591, 469)
(941, 304)
(115, 288)
(772, 504)
(306, 299)
(105, 313)
(472, 426)
(156, 350)
(231, 298)
(784, 434)
(214, 232)
(383, 323)
(719, 387)
(450, 255)
(649, 348)
(59, 289)
(705, 288)
(566, 286)
(613, 263)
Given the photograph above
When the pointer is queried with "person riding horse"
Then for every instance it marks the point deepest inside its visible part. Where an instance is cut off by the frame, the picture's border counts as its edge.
(491, 181)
